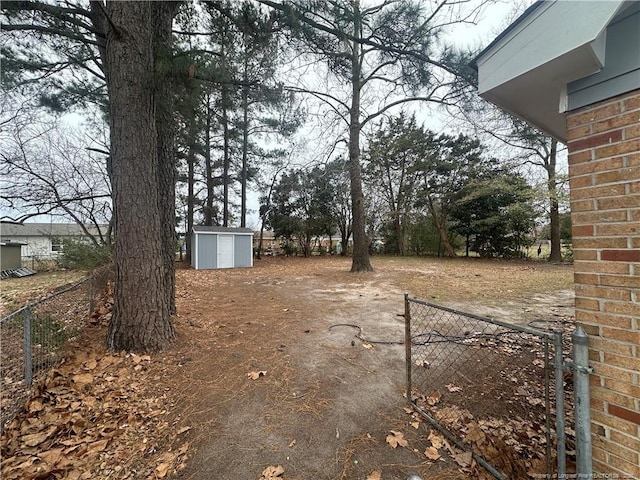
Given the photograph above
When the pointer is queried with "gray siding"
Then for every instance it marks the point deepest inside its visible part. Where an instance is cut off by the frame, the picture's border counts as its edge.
(194, 240)
(621, 72)
(207, 251)
(205, 246)
(243, 251)
(10, 257)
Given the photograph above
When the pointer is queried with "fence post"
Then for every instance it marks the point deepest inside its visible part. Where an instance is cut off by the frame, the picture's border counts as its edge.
(407, 343)
(558, 363)
(92, 288)
(582, 403)
(26, 317)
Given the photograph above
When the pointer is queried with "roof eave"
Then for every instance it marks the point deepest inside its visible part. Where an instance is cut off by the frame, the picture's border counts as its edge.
(533, 87)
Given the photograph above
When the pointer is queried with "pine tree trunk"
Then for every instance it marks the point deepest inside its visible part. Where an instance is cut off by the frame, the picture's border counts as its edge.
(191, 159)
(360, 261)
(208, 209)
(226, 180)
(167, 175)
(245, 141)
(141, 319)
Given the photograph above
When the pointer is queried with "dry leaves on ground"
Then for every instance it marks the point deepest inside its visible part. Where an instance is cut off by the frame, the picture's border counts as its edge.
(91, 418)
(432, 453)
(515, 446)
(396, 438)
(104, 307)
(272, 473)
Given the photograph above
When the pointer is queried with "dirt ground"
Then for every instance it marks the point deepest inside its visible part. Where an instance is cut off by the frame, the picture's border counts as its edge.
(263, 375)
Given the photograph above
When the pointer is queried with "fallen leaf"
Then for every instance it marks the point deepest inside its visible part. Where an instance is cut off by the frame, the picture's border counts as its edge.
(182, 430)
(436, 440)
(292, 443)
(162, 469)
(256, 375)
(82, 378)
(35, 406)
(396, 438)
(51, 457)
(452, 388)
(463, 459)
(432, 453)
(433, 398)
(98, 446)
(475, 434)
(36, 439)
(375, 475)
(272, 472)
(415, 425)
(367, 345)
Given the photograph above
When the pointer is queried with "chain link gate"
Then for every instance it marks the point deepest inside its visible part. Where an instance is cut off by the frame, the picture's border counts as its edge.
(492, 388)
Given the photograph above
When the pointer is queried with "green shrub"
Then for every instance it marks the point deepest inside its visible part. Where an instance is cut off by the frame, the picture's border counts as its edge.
(85, 256)
(567, 252)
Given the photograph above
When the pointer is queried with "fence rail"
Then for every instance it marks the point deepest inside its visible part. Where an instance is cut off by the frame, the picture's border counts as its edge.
(41, 263)
(32, 338)
(493, 388)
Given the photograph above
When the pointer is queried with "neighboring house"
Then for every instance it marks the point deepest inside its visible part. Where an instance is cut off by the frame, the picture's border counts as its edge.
(44, 240)
(572, 69)
(270, 244)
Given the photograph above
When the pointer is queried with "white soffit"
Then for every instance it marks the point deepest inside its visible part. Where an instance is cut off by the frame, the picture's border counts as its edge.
(526, 71)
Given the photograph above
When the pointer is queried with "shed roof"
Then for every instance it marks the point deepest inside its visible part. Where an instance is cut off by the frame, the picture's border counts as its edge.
(203, 229)
(526, 69)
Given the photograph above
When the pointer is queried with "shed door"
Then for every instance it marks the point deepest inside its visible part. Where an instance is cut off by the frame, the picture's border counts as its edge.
(225, 251)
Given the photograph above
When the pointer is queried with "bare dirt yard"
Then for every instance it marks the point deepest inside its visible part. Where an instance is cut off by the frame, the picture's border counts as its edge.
(262, 381)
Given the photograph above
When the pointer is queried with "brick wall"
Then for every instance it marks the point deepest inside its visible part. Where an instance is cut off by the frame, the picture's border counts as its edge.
(604, 177)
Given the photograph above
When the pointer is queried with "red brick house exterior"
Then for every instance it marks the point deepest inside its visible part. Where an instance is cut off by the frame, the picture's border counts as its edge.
(604, 171)
(572, 69)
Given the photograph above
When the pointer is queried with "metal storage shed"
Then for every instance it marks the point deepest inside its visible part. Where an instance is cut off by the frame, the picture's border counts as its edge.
(10, 255)
(220, 247)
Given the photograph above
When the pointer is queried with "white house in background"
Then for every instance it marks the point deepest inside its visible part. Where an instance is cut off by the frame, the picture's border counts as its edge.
(44, 240)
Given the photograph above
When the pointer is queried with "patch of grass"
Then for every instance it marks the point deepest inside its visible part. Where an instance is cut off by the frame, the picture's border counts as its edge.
(17, 292)
(50, 334)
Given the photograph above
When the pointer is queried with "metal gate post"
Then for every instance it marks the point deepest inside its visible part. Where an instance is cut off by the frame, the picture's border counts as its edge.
(26, 317)
(558, 364)
(407, 343)
(582, 403)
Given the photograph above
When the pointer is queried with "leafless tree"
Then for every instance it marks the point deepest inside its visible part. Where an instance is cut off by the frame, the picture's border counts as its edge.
(50, 169)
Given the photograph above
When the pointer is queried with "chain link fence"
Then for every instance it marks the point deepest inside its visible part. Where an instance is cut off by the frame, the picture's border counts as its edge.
(494, 389)
(41, 263)
(33, 338)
